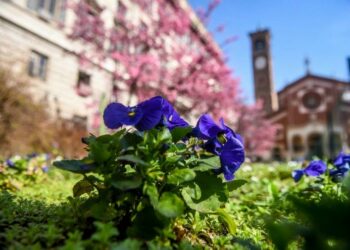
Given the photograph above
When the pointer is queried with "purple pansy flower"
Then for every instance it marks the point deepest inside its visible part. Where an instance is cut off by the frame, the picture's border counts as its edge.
(315, 168)
(171, 119)
(231, 157)
(342, 165)
(216, 135)
(222, 141)
(144, 116)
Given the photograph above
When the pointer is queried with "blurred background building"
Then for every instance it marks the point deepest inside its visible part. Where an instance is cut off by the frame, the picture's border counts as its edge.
(34, 42)
(313, 112)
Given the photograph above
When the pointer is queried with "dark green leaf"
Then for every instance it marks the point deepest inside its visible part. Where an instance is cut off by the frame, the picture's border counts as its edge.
(130, 140)
(179, 133)
(170, 205)
(235, 184)
(82, 187)
(75, 166)
(146, 224)
(126, 183)
(178, 176)
(99, 151)
(132, 158)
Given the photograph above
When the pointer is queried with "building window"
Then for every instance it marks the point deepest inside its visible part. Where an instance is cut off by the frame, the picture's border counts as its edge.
(311, 100)
(297, 143)
(83, 87)
(37, 65)
(259, 45)
(315, 144)
(335, 143)
(48, 9)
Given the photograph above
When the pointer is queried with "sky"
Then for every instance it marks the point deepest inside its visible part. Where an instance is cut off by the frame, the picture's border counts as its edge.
(316, 29)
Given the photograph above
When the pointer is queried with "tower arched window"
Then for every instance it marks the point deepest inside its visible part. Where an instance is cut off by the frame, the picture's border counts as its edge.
(259, 45)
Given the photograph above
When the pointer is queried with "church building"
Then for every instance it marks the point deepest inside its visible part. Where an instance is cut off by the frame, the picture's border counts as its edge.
(313, 112)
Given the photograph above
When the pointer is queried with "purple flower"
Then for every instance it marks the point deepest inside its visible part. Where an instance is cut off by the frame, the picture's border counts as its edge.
(171, 119)
(315, 168)
(342, 165)
(216, 135)
(45, 168)
(146, 115)
(222, 141)
(231, 157)
(10, 163)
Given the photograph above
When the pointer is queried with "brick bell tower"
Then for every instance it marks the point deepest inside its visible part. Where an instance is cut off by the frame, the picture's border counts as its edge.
(262, 67)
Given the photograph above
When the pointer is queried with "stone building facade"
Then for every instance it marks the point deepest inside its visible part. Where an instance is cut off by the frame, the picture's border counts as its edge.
(34, 42)
(313, 112)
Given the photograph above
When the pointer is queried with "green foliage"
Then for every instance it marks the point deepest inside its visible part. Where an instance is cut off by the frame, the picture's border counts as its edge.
(147, 183)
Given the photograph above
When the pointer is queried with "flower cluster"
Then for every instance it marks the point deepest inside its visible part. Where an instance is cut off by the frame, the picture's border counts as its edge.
(341, 164)
(157, 111)
(31, 163)
(316, 168)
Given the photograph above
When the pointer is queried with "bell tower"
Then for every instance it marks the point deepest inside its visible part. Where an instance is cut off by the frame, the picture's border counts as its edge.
(262, 67)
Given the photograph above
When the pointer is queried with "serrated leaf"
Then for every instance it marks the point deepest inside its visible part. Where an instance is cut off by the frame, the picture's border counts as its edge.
(132, 158)
(179, 133)
(178, 176)
(82, 187)
(75, 166)
(170, 205)
(235, 184)
(126, 183)
(231, 225)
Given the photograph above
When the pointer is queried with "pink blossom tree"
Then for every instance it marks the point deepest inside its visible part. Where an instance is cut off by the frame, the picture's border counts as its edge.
(167, 53)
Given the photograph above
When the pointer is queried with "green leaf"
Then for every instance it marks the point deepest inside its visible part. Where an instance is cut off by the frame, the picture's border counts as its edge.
(179, 133)
(132, 158)
(82, 187)
(97, 208)
(179, 176)
(126, 183)
(99, 151)
(75, 166)
(235, 184)
(170, 205)
(213, 193)
(209, 205)
(152, 192)
(231, 225)
(128, 244)
(163, 135)
(208, 164)
(104, 232)
(146, 224)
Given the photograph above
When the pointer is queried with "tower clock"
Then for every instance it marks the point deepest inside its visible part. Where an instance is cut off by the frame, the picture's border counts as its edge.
(262, 68)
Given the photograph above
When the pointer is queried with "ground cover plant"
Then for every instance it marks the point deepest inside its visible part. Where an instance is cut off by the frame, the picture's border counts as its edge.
(162, 184)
